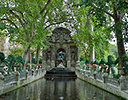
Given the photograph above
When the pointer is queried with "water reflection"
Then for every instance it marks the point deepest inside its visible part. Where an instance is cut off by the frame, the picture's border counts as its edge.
(57, 89)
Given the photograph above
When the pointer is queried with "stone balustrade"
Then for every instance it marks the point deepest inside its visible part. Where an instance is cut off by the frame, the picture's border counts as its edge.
(115, 86)
(16, 80)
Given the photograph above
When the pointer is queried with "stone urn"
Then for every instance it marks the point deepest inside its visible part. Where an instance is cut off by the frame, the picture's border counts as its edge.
(122, 71)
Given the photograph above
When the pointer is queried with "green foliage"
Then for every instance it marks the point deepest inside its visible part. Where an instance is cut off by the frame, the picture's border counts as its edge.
(125, 58)
(40, 61)
(16, 51)
(117, 60)
(4, 61)
(33, 61)
(86, 61)
(11, 58)
(96, 62)
(102, 61)
(102, 14)
(2, 26)
(110, 64)
(11, 61)
(29, 22)
(82, 62)
(2, 57)
(99, 35)
(113, 50)
(19, 59)
(110, 60)
(81, 59)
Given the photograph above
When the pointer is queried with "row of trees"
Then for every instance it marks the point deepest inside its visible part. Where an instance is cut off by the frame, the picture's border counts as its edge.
(106, 16)
(28, 22)
(91, 21)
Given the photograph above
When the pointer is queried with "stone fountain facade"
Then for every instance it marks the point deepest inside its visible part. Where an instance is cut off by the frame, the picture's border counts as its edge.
(61, 41)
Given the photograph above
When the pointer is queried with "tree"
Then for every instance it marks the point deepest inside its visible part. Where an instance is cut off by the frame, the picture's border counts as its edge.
(111, 13)
(88, 37)
(30, 20)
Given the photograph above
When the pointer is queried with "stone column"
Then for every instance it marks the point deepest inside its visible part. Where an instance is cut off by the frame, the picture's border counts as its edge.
(53, 57)
(27, 72)
(68, 56)
(18, 77)
(78, 59)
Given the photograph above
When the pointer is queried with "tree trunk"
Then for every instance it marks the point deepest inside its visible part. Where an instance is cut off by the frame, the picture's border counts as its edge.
(37, 54)
(25, 54)
(120, 45)
(119, 35)
(85, 55)
(0, 61)
(91, 53)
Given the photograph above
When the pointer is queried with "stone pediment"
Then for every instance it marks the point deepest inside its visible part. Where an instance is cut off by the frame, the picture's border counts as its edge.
(61, 35)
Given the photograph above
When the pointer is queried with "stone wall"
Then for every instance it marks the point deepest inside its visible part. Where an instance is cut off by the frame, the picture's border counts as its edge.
(115, 86)
(11, 82)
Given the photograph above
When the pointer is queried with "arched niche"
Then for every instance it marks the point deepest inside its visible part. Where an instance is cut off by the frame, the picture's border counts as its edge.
(59, 53)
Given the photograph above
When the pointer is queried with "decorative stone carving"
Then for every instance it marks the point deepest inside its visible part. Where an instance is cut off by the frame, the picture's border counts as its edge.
(48, 55)
(61, 40)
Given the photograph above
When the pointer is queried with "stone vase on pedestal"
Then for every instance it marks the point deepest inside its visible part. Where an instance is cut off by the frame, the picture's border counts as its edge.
(122, 71)
(122, 80)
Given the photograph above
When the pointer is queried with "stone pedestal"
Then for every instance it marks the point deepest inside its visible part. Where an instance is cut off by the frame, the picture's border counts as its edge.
(94, 74)
(27, 72)
(68, 64)
(53, 63)
(122, 71)
(122, 83)
(18, 77)
(105, 77)
(44, 63)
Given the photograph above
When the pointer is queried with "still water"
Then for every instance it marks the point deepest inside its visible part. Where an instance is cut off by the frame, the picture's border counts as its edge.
(59, 90)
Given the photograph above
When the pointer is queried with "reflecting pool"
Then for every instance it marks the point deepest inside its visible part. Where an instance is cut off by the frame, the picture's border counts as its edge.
(59, 89)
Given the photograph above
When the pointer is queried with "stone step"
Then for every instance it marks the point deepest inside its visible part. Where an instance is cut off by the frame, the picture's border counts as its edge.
(61, 78)
(60, 72)
(63, 72)
(60, 69)
(60, 75)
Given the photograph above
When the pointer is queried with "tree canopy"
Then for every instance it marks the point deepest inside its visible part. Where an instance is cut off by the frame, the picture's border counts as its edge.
(28, 22)
(110, 14)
